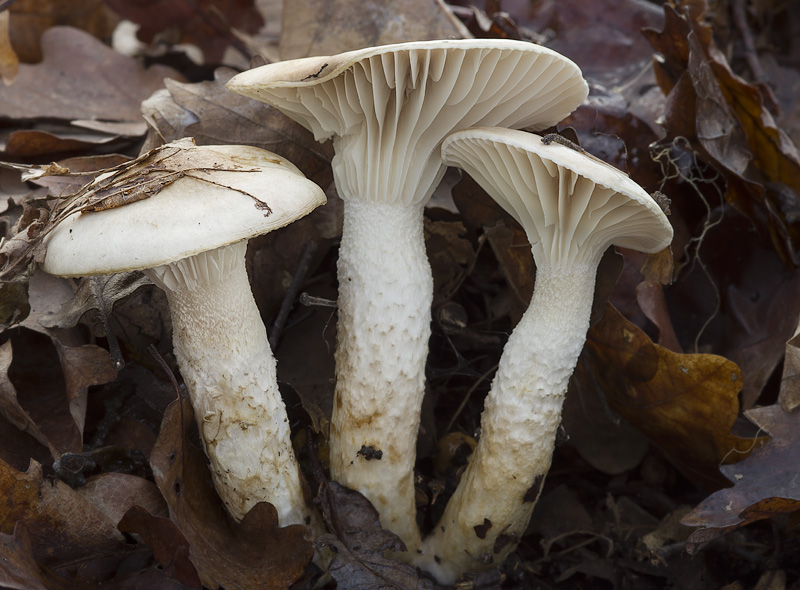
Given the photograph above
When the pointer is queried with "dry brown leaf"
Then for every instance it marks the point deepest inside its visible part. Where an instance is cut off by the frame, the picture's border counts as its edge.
(209, 24)
(20, 569)
(63, 526)
(92, 165)
(725, 119)
(602, 36)
(608, 444)
(9, 62)
(53, 139)
(360, 543)
(765, 483)
(789, 397)
(31, 18)
(449, 254)
(84, 78)
(83, 366)
(170, 548)
(513, 251)
(328, 27)
(685, 404)
(254, 553)
(212, 114)
(116, 493)
(9, 405)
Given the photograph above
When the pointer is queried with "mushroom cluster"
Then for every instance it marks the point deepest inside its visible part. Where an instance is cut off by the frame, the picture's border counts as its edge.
(388, 109)
(397, 115)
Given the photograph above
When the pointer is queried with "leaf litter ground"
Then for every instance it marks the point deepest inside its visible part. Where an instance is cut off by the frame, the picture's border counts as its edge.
(678, 462)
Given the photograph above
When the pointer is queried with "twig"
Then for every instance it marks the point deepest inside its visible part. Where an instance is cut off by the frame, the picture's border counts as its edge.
(291, 295)
(307, 299)
(113, 345)
(466, 397)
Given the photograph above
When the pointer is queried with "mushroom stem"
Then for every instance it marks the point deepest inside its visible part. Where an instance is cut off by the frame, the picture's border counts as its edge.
(225, 359)
(382, 333)
(489, 512)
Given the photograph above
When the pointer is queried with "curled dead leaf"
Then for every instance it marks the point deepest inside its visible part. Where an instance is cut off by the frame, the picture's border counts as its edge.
(685, 404)
(359, 543)
(255, 553)
(764, 484)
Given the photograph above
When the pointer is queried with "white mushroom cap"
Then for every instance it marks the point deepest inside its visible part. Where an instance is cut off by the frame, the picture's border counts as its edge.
(186, 217)
(572, 206)
(389, 107)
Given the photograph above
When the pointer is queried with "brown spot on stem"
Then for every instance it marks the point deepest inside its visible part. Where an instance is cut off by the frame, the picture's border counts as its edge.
(482, 529)
(533, 491)
(370, 452)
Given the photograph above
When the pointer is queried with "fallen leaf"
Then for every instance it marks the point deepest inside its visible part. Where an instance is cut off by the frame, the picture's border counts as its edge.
(37, 376)
(20, 569)
(513, 251)
(83, 366)
(213, 115)
(685, 404)
(723, 118)
(765, 483)
(359, 543)
(170, 548)
(115, 494)
(603, 36)
(64, 527)
(96, 293)
(92, 165)
(83, 78)
(789, 397)
(9, 62)
(254, 553)
(328, 27)
(449, 254)
(608, 444)
(30, 19)
(9, 404)
(209, 24)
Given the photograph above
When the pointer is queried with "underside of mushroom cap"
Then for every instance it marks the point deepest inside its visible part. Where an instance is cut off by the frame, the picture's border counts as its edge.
(388, 108)
(235, 193)
(572, 206)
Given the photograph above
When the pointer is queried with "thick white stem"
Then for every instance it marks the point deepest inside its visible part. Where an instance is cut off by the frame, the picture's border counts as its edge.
(225, 359)
(486, 517)
(385, 295)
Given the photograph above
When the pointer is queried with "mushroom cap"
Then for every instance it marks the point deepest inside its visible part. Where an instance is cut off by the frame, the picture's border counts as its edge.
(196, 213)
(572, 206)
(389, 107)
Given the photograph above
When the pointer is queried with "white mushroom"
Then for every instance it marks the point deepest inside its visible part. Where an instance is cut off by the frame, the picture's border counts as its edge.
(190, 239)
(572, 207)
(388, 109)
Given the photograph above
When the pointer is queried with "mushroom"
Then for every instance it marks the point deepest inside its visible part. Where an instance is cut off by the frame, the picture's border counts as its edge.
(572, 207)
(190, 239)
(388, 109)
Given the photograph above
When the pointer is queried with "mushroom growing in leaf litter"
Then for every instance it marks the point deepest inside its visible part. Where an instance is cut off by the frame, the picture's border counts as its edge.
(189, 236)
(387, 110)
(572, 208)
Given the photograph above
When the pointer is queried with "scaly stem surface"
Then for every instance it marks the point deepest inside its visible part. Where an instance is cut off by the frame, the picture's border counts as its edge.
(385, 295)
(486, 517)
(225, 359)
